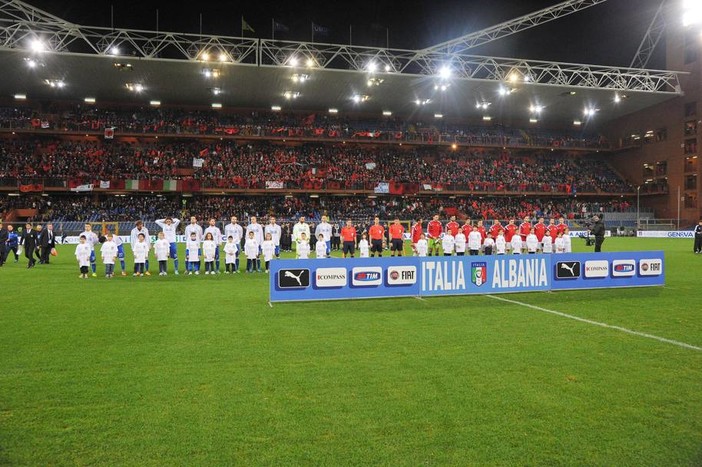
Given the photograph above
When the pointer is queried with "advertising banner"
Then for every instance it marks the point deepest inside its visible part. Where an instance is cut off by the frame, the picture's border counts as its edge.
(666, 234)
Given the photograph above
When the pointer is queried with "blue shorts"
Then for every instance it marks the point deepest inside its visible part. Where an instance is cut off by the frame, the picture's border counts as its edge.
(328, 242)
(173, 251)
(277, 250)
(92, 256)
(217, 254)
(120, 251)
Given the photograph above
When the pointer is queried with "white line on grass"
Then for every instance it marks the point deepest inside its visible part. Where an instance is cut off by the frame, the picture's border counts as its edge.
(597, 323)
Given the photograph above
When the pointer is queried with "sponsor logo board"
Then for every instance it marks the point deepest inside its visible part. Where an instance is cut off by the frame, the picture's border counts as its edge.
(596, 268)
(402, 275)
(567, 269)
(623, 267)
(650, 267)
(330, 277)
(367, 276)
(293, 278)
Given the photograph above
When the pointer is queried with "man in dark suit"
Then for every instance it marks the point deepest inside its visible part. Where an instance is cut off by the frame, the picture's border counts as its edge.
(29, 243)
(3, 240)
(47, 241)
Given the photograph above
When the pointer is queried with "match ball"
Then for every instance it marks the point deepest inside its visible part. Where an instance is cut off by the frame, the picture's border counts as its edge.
(54, 252)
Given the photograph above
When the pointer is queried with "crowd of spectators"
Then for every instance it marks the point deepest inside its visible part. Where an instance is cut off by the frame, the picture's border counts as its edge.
(289, 208)
(161, 121)
(225, 164)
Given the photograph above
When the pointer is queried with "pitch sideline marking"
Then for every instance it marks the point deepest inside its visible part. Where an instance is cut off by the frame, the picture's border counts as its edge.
(597, 323)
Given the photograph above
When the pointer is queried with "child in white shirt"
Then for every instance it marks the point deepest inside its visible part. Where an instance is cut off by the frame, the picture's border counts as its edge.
(268, 249)
(83, 252)
(532, 242)
(516, 244)
(321, 247)
(488, 245)
(108, 251)
(559, 245)
(547, 243)
(251, 248)
(141, 253)
(500, 243)
(422, 246)
(303, 247)
(192, 255)
(448, 243)
(231, 250)
(474, 241)
(209, 251)
(162, 249)
(460, 243)
(363, 247)
(566, 241)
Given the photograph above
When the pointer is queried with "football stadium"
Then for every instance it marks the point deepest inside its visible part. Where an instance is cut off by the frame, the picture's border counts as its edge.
(371, 233)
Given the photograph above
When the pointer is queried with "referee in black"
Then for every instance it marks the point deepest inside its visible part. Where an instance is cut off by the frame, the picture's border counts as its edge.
(598, 231)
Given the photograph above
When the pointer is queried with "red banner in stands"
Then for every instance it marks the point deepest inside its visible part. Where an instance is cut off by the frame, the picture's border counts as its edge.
(32, 187)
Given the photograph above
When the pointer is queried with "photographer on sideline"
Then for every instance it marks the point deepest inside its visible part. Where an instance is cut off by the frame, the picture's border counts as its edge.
(598, 231)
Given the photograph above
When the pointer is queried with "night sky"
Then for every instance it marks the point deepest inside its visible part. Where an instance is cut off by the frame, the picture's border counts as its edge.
(606, 34)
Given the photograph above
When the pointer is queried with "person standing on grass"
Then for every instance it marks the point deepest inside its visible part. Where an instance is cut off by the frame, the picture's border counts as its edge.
(324, 228)
(162, 248)
(91, 239)
(12, 244)
(348, 236)
(698, 237)
(47, 242)
(29, 243)
(141, 253)
(276, 232)
(217, 238)
(83, 254)
(231, 251)
(434, 231)
(376, 233)
(234, 230)
(108, 251)
(397, 237)
(168, 227)
(4, 234)
(140, 229)
(268, 250)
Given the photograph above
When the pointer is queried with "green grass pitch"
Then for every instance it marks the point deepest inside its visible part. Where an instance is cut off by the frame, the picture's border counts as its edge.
(201, 371)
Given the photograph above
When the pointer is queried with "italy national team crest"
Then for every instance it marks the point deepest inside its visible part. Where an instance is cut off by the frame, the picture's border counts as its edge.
(478, 273)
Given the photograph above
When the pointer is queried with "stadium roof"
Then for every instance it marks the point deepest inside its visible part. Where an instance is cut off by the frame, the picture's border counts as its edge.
(46, 57)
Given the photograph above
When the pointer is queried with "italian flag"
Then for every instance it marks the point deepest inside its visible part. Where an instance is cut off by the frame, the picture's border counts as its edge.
(132, 184)
(170, 185)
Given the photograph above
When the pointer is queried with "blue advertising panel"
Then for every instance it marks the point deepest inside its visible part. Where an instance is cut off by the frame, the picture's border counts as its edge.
(607, 270)
(330, 279)
(460, 275)
(334, 278)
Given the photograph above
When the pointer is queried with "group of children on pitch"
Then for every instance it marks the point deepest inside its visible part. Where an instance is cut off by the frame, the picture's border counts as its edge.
(474, 244)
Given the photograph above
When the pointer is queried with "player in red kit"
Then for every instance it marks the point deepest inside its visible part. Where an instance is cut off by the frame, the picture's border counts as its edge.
(467, 228)
(482, 231)
(562, 225)
(397, 241)
(525, 228)
(510, 230)
(495, 228)
(540, 229)
(453, 226)
(417, 230)
(553, 229)
(434, 231)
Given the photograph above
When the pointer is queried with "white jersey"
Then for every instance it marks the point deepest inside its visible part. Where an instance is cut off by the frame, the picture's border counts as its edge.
(257, 229)
(91, 239)
(325, 229)
(162, 248)
(547, 243)
(192, 249)
(567, 244)
(275, 231)
(500, 245)
(532, 243)
(447, 243)
(169, 231)
(363, 248)
(251, 248)
(489, 243)
(141, 251)
(108, 251)
(216, 234)
(321, 249)
(302, 249)
(516, 244)
(190, 228)
(231, 250)
(422, 247)
(83, 251)
(298, 229)
(460, 240)
(268, 250)
(134, 237)
(117, 240)
(559, 245)
(474, 240)
(209, 247)
(235, 231)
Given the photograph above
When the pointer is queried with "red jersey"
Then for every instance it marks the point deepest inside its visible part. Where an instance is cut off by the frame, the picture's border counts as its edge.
(416, 232)
(396, 231)
(483, 233)
(453, 227)
(540, 230)
(495, 229)
(553, 230)
(376, 232)
(562, 227)
(348, 234)
(467, 229)
(524, 230)
(434, 229)
(510, 230)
